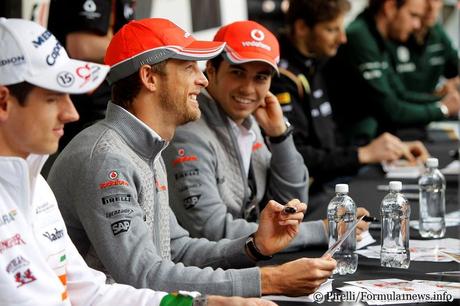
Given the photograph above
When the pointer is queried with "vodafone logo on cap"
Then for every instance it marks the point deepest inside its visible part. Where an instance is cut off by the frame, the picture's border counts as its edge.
(257, 35)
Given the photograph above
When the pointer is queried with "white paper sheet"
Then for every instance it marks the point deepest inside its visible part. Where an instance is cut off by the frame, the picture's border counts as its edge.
(324, 289)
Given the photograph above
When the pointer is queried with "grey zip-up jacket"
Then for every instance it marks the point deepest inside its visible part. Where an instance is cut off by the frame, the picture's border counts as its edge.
(111, 186)
(213, 199)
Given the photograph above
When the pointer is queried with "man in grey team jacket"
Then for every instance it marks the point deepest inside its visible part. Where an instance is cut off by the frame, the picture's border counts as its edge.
(111, 183)
(233, 170)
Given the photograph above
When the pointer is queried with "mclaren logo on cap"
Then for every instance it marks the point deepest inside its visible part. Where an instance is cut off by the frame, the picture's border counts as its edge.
(257, 34)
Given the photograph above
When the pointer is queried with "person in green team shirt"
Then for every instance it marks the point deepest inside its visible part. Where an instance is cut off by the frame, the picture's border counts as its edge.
(427, 56)
(367, 95)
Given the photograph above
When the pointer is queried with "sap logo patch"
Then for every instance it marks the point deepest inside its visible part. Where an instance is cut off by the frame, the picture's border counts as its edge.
(120, 226)
(191, 201)
(115, 198)
(53, 236)
(188, 173)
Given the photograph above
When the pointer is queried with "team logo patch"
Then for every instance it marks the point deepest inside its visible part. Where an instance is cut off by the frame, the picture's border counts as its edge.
(159, 186)
(113, 175)
(65, 79)
(114, 180)
(120, 226)
(16, 60)
(284, 98)
(8, 217)
(11, 242)
(122, 197)
(16, 264)
(183, 158)
(53, 236)
(191, 201)
(257, 34)
(24, 278)
(256, 146)
(88, 73)
(403, 54)
(119, 212)
(187, 173)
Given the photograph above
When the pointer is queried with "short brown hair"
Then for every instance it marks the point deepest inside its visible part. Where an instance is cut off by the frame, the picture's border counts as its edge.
(20, 91)
(376, 5)
(315, 11)
(126, 90)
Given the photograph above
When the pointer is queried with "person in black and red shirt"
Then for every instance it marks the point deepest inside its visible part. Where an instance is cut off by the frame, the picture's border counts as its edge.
(315, 30)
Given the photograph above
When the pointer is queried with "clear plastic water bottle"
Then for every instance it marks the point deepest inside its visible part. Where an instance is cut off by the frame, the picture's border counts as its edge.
(395, 213)
(432, 187)
(341, 214)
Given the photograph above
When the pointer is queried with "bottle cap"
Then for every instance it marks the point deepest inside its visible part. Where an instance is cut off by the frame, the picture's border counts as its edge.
(395, 185)
(432, 162)
(342, 188)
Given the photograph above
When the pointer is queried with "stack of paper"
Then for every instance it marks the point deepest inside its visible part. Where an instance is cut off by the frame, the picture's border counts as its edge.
(323, 289)
(399, 291)
(400, 169)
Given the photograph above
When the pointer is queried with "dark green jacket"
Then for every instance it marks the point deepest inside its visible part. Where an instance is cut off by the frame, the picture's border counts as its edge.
(421, 65)
(367, 95)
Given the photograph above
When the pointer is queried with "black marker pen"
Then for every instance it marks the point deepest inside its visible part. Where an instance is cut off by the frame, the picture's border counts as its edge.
(289, 210)
(370, 219)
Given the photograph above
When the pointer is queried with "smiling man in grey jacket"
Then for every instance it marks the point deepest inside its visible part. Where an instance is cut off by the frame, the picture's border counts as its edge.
(236, 172)
(111, 181)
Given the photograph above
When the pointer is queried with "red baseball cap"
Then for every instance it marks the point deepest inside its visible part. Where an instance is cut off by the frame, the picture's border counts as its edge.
(248, 41)
(150, 41)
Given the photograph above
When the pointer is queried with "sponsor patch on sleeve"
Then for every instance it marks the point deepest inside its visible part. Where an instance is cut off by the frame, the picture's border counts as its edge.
(121, 226)
(191, 201)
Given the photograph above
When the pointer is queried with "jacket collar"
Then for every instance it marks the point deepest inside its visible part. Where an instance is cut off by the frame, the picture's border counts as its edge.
(135, 133)
(21, 175)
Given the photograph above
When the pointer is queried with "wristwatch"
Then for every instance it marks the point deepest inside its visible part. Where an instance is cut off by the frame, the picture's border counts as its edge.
(253, 251)
(443, 108)
(277, 139)
(201, 300)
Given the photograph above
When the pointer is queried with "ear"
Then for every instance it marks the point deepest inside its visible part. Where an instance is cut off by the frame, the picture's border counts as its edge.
(301, 29)
(148, 78)
(390, 8)
(4, 100)
(210, 71)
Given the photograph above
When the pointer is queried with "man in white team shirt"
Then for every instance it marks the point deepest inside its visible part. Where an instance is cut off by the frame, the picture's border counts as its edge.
(38, 262)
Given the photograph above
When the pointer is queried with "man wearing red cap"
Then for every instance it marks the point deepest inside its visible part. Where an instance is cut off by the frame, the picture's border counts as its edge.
(235, 171)
(39, 265)
(112, 187)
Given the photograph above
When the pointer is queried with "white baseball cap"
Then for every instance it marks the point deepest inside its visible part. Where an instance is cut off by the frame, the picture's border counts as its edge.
(29, 52)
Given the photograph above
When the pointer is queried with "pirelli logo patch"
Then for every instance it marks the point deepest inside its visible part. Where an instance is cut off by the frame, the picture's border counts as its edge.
(284, 98)
(114, 198)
